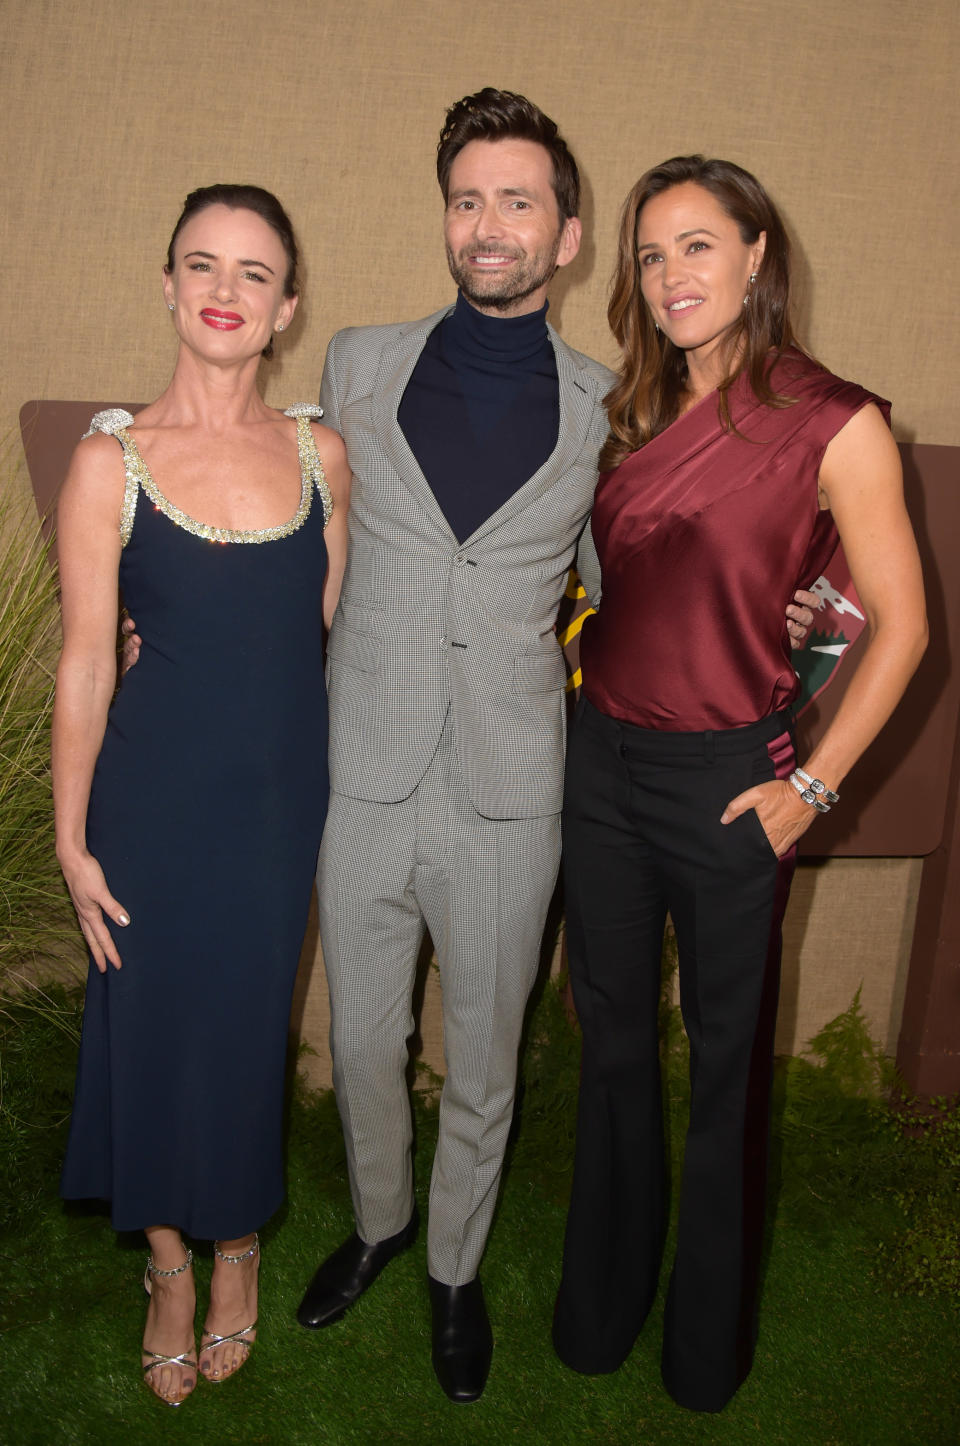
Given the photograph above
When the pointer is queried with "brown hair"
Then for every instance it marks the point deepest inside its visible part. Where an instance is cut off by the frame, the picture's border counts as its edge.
(245, 198)
(651, 382)
(500, 115)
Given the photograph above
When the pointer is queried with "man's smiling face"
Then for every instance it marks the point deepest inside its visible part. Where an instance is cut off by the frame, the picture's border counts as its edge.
(502, 226)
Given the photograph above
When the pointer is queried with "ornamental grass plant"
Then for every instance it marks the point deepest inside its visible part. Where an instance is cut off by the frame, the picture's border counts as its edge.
(38, 934)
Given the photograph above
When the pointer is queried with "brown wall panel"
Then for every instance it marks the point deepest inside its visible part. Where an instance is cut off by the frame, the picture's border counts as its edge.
(894, 801)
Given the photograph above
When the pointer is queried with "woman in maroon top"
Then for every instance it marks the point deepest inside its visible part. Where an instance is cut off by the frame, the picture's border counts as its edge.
(734, 461)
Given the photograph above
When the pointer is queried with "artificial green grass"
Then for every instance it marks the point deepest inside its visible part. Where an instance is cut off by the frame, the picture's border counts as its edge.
(850, 1352)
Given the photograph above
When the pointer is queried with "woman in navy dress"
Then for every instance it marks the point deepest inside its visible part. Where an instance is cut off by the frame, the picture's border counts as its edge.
(734, 462)
(189, 811)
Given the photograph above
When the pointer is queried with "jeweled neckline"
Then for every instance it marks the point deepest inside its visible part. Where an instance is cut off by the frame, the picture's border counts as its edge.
(206, 530)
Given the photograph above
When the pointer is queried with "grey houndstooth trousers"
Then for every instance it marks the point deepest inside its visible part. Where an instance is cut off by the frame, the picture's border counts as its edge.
(482, 886)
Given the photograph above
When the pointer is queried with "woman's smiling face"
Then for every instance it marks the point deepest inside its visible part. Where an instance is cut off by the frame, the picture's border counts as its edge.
(695, 267)
(228, 283)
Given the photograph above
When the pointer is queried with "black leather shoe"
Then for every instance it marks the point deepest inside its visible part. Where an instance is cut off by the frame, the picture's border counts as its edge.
(462, 1338)
(346, 1274)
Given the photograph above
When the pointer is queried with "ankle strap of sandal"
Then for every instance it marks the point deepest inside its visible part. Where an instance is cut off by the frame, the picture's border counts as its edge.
(237, 1259)
(168, 1274)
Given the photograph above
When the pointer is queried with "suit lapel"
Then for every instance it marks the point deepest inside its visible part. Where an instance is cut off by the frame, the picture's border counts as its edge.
(394, 372)
(578, 401)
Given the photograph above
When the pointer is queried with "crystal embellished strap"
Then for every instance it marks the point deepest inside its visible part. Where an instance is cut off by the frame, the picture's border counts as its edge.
(310, 462)
(112, 421)
(304, 409)
(131, 488)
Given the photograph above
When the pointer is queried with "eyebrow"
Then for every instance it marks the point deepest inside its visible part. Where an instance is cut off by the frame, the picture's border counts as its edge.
(696, 231)
(500, 191)
(209, 256)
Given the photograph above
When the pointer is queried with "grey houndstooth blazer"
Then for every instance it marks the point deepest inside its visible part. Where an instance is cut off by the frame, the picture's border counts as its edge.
(426, 623)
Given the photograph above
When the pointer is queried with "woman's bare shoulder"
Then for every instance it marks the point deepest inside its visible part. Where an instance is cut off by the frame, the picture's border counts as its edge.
(330, 444)
(97, 465)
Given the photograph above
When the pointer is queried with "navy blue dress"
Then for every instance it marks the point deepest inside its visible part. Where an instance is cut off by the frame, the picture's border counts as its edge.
(206, 811)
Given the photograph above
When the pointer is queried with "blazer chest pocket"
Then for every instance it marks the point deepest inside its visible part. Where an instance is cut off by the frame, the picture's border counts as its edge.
(539, 672)
(352, 649)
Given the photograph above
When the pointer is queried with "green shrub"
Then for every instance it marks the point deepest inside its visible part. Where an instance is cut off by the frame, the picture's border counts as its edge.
(36, 919)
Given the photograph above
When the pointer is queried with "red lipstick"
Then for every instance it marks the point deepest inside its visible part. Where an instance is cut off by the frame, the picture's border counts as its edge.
(221, 320)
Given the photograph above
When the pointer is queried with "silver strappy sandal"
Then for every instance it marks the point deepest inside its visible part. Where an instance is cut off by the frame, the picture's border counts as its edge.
(157, 1358)
(209, 1340)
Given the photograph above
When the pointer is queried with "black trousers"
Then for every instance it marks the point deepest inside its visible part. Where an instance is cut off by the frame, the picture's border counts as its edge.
(641, 836)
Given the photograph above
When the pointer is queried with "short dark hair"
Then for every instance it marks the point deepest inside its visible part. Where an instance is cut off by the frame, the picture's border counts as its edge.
(245, 198)
(500, 115)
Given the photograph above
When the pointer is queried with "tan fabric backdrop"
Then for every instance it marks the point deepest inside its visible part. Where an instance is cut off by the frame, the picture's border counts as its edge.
(112, 111)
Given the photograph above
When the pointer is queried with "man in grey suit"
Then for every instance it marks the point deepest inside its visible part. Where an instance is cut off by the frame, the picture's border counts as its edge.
(473, 438)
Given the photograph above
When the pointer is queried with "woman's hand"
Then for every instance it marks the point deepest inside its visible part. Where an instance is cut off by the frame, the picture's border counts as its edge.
(782, 812)
(92, 899)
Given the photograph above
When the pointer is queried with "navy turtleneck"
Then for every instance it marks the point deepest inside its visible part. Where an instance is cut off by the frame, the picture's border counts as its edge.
(481, 411)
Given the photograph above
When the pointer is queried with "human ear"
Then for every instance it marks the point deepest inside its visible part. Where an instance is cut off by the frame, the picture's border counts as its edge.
(285, 315)
(569, 240)
(759, 247)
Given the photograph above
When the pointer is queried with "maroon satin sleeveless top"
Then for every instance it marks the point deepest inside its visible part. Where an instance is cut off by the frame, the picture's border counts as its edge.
(703, 537)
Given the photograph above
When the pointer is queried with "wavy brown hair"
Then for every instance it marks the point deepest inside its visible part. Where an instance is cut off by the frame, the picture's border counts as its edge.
(652, 377)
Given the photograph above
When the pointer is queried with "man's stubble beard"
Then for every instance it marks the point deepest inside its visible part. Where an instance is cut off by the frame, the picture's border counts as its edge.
(504, 291)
